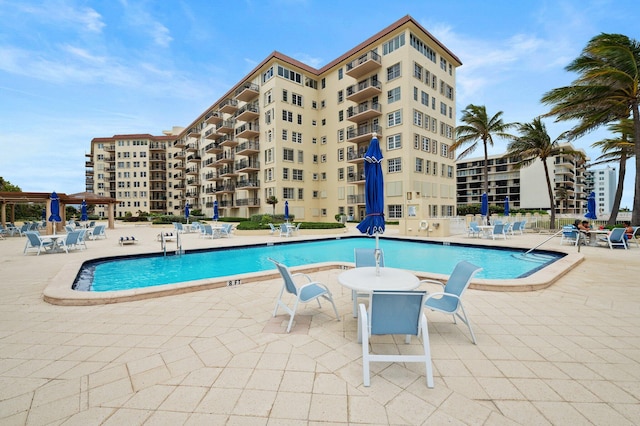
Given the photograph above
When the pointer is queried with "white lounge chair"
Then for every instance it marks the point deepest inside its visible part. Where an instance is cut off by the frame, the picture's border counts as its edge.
(98, 232)
(35, 243)
(615, 238)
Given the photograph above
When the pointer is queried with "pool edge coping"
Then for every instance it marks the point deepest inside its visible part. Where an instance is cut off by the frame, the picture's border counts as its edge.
(59, 292)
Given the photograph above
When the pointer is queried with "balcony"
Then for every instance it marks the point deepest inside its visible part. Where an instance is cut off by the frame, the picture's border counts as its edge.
(247, 165)
(194, 158)
(364, 65)
(192, 171)
(357, 176)
(247, 92)
(193, 132)
(213, 148)
(248, 202)
(212, 134)
(363, 133)
(248, 184)
(229, 141)
(228, 171)
(226, 157)
(356, 156)
(248, 112)
(226, 188)
(157, 146)
(355, 199)
(248, 131)
(110, 148)
(193, 181)
(180, 143)
(364, 90)
(192, 147)
(180, 154)
(364, 112)
(229, 106)
(226, 126)
(213, 118)
(212, 176)
(248, 148)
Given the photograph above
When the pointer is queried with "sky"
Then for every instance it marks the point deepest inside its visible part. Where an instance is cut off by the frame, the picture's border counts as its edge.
(73, 70)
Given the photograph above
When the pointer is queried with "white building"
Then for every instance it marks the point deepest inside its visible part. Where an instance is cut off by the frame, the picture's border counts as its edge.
(605, 182)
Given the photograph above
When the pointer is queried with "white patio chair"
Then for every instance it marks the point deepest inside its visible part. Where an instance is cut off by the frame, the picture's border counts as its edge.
(306, 293)
(394, 312)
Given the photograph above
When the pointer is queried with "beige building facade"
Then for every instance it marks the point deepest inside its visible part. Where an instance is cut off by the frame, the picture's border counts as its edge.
(298, 133)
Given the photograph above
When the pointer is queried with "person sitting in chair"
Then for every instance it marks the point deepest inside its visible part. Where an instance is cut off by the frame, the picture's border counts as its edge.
(628, 230)
(584, 228)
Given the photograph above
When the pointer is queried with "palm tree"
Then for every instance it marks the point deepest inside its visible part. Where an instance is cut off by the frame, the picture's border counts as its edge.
(606, 90)
(619, 150)
(479, 127)
(535, 143)
(273, 201)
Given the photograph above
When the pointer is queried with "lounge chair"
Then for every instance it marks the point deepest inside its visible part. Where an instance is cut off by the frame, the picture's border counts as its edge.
(70, 241)
(23, 229)
(35, 243)
(178, 226)
(3, 232)
(306, 293)
(364, 257)
(394, 312)
(226, 230)
(474, 230)
(572, 235)
(127, 240)
(296, 230)
(207, 231)
(285, 230)
(615, 238)
(517, 227)
(272, 228)
(98, 232)
(499, 230)
(634, 237)
(449, 300)
(82, 239)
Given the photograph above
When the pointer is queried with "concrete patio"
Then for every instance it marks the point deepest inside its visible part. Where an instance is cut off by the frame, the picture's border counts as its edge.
(567, 354)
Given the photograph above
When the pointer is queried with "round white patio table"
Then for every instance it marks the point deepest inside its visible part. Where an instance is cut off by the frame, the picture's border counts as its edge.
(365, 280)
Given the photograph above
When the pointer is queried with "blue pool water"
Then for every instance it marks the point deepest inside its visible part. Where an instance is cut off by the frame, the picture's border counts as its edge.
(146, 271)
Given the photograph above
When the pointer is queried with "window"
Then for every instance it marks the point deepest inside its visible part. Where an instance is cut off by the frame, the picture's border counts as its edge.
(417, 118)
(393, 44)
(394, 118)
(417, 71)
(341, 173)
(285, 134)
(268, 97)
(300, 193)
(341, 154)
(444, 150)
(314, 176)
(419, 165)
(393, 95)
(340, 74)
(421, 47)
(323, 158)
(449, 171)
(315, 158)
(395, 211)
(424, 98)
(296, 137)
(290, 75)
(425, 144)
(341, 135)
(285, 95)
(443, 108)
(287, 115)
(299, 118)
(340, 96)
(268, 175)
(394, 165)
(393, 72)
(296, 99)
(415, 93)
(285, 173)
(341, 115)
(443, 63)
(434, 171)
(287, 154)
(267, 74)
(296, 174)
(288, 193)
(267, 116)
(394, 142)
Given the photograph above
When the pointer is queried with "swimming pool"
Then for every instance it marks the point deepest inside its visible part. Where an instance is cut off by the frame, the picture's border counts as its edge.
(131, 272)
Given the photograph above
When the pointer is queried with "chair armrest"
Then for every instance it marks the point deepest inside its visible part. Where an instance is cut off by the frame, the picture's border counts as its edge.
(427, 281)
(302, 274)
(440, 293)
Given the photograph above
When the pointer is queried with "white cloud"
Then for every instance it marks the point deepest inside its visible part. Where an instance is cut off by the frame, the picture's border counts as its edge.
(61, 13)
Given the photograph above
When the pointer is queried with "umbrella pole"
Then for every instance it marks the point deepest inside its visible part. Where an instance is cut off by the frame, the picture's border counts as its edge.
(377, 254)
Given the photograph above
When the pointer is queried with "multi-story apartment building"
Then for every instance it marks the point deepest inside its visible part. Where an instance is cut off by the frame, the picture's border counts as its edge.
(527, 186)
(603, 182)
(298, 133)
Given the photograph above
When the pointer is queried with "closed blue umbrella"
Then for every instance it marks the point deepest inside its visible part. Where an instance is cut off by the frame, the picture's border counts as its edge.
(373, 223)
(506, 206)
(484, 205)
(186, 211)
(591, 207)
(83, 211)
(55, 210)
(286, 211)
(215, 210)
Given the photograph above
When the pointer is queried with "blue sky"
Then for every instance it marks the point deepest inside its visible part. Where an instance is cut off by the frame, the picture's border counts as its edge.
(72, 70)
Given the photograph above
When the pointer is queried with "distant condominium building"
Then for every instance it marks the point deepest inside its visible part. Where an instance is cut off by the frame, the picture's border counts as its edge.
(527, 186)
(290, 131)
(603, 182)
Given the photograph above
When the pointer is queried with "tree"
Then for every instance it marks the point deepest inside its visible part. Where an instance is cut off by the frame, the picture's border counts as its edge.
(479, 127)
(535, 143)
(273, 201)
(6, 186)
(618, 150)
(606, 90)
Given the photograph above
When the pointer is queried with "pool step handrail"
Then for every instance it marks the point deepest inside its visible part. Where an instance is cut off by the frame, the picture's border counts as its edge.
(553, 236)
